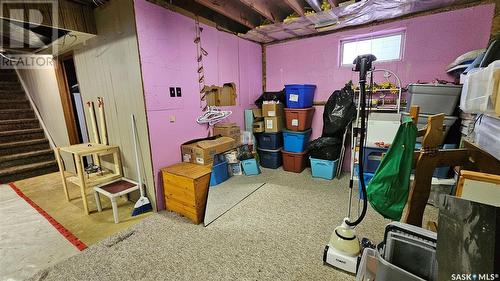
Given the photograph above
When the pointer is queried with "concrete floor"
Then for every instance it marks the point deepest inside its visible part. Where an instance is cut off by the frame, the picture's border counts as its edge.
(277, 233)
(47, 192)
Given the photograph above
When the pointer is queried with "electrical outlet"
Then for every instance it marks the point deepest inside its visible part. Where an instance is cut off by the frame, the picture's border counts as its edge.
(172, 92)
(178, 91)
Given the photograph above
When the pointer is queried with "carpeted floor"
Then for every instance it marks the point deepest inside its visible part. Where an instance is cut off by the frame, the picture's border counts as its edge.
(277, 233)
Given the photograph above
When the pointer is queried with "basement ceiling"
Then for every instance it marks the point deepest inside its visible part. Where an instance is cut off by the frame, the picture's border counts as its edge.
(267, 21)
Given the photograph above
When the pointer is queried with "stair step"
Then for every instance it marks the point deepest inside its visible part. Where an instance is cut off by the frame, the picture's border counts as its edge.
(19, 124)
(4, 90)
(10, 85)
(23, 146)
(12, 95)
(20, 159)
(5, 70)
(14, 104)
(19, 135)
(10, 77)
(11, 114)
(27, 171)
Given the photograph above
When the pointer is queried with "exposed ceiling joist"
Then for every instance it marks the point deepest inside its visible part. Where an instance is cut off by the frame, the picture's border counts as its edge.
(233, 10)
(263, 8)
(296, 6)
(195, 10)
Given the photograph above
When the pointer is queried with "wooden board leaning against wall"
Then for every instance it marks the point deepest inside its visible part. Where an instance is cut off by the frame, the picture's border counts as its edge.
(108, 66)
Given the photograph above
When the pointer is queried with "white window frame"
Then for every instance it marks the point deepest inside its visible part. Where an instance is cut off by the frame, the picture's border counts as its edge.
(371, 37)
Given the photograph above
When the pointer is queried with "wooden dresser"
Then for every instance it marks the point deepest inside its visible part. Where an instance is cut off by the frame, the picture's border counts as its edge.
(186, 189)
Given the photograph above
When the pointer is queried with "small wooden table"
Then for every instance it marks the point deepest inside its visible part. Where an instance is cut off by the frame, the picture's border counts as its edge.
(81, 179)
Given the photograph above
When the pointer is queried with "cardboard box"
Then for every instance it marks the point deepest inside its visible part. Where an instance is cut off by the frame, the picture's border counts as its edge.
(228, 95)
(202, 151)
(258, 127)
(272, 109)
(257, 113)
(220, 96)
(228, 130)
(258, 120)
(273, 124)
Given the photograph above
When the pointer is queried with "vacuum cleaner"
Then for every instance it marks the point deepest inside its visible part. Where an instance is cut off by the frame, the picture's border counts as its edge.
(343, 249)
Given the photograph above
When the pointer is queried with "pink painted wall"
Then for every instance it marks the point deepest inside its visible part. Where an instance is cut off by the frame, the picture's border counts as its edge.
(168, 58)
(432, 42)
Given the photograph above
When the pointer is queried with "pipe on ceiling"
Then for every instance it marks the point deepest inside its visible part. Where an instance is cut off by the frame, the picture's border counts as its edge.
(315, 4)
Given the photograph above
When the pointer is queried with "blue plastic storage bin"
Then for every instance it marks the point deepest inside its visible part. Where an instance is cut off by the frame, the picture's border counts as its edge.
(250, 167)
(271, 159)
(270, 140)
(296, 141)
(299, 95)
(372, 158)
(220, 173)
(440, 172)
(368, 177)
(324, 169)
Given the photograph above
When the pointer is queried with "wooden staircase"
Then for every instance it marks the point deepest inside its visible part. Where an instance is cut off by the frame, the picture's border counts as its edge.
(24, 150)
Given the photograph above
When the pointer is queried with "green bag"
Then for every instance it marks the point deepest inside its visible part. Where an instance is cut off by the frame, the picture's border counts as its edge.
(388, 190)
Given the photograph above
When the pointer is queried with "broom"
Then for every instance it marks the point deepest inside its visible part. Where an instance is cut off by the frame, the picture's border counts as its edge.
(142, 205)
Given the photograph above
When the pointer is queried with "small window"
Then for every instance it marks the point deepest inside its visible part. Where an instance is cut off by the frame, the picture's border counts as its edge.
(385, 48)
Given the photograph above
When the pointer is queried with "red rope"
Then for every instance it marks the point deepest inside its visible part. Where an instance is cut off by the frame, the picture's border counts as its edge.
(64, 231)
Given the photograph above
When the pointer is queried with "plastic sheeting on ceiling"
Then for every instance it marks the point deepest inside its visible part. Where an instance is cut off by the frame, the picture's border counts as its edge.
(339, 17)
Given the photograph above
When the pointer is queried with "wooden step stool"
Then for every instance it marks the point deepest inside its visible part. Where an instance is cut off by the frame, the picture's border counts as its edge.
(113, 190)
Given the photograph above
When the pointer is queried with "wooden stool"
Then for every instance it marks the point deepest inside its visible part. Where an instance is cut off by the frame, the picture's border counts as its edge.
(113, 190)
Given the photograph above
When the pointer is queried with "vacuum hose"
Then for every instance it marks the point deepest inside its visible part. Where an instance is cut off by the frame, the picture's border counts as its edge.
(363, 64)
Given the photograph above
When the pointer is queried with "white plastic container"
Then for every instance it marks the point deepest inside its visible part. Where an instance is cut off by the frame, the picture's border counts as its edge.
(374, 267)
(382, 127)
(480, 90)
(487, 133)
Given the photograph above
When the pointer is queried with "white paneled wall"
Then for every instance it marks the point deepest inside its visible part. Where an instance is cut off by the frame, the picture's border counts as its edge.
(108, 66)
